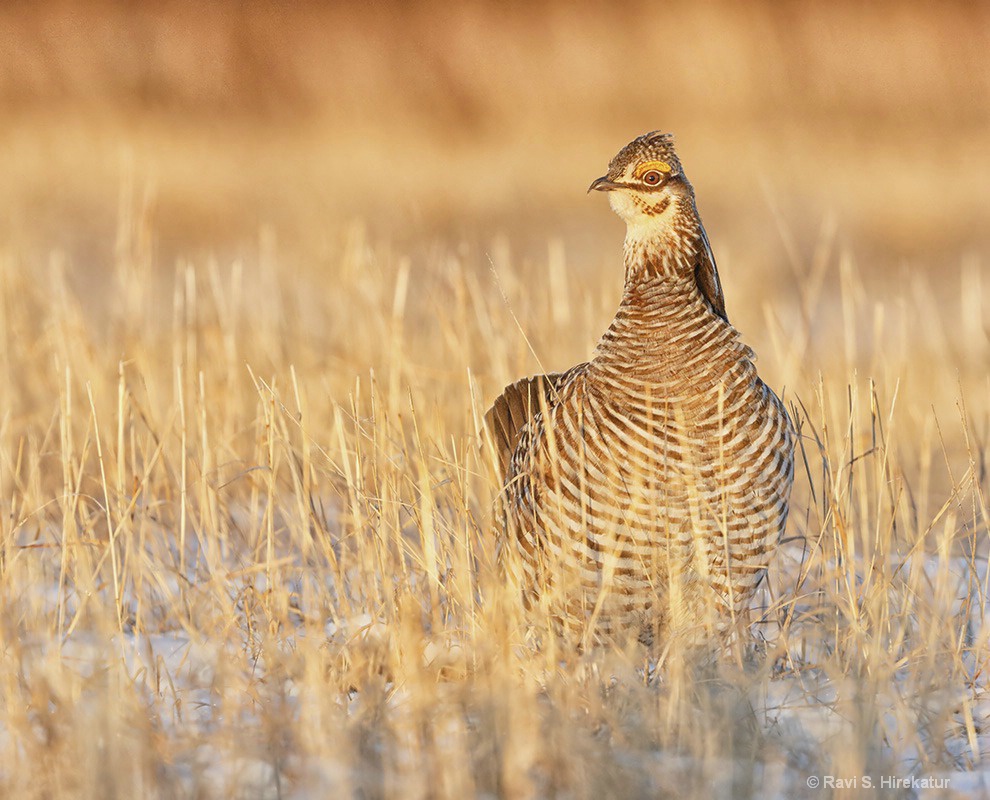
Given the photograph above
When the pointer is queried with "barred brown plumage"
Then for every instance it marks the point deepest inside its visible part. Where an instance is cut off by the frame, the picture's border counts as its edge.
(645, 490)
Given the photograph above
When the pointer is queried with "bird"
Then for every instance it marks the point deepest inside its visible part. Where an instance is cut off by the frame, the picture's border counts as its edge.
(644, 491)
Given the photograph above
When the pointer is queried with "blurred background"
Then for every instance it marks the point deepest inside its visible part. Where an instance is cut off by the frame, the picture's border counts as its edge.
(429, 120)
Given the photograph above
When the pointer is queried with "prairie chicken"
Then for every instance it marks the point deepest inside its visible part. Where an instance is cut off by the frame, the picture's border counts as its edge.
(646, 489)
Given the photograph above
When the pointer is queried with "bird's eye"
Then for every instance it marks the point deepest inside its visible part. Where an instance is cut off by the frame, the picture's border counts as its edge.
(652, 178)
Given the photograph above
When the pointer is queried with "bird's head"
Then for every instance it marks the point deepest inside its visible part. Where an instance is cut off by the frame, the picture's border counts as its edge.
(645, 182)
(647, 188)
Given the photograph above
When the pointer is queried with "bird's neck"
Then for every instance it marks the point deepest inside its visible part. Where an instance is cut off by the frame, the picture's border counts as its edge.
(663, 315)
(662, 246)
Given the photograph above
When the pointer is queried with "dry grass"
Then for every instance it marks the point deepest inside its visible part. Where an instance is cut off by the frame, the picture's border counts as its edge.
(245, 547)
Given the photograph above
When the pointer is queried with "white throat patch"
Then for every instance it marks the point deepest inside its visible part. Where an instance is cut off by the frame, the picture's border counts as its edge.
(647, 216)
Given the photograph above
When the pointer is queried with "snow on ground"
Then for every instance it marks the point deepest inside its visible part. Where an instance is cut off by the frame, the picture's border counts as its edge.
(800, 708)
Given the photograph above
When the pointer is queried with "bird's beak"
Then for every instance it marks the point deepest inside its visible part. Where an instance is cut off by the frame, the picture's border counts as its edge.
(603, 184)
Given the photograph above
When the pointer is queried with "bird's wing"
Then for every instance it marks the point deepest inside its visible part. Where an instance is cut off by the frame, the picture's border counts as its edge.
(706, 274)
(515, 408)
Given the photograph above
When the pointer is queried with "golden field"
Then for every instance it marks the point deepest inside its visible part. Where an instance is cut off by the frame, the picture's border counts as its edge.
(262, 269)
